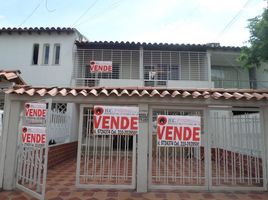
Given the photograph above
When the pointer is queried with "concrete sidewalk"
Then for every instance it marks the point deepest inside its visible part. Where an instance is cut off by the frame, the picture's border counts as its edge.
(130, 195)
(61, 185)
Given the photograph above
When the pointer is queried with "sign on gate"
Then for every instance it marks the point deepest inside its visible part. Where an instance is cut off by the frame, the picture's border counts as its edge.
(35, 110)
(115, 120)
(33, 135)
(178, 131)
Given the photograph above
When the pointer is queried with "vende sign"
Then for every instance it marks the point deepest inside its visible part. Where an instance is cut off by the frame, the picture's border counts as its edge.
(180, 131)
(101, 66)
(37, 110)
(115, 120)
(33, 135)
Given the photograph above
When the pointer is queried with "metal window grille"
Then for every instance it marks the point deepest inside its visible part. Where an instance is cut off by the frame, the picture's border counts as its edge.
(59, 107)
(175, 65)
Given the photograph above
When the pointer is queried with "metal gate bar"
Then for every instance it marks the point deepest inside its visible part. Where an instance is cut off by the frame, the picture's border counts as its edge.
(106, 161)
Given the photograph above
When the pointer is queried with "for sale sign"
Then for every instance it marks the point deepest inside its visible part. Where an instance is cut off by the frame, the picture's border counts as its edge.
(33, 135)
(179, 131)
(115, 120)
(35, 110)
(101, 66)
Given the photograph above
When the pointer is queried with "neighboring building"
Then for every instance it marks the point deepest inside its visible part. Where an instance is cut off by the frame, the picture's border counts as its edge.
(9, 78)
(44, 55)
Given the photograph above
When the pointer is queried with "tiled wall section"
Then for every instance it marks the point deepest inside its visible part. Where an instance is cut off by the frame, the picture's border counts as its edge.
(59, 153)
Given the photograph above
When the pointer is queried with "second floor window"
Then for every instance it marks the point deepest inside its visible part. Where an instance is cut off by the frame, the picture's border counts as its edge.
(225, 77)
(35, 54)
(46, 54)
(56, 60)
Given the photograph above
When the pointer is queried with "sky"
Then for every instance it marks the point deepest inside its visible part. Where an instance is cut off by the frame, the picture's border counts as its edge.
(160, 21)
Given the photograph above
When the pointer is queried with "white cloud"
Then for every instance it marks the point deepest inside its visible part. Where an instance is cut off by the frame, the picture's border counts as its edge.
(177, 21)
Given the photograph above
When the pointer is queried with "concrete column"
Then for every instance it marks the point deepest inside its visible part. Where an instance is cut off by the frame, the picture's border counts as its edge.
(141, 64)
(73, 111)
(142, 152)
(11, 132)
(209, 68)
(4, 139)
(264, 126)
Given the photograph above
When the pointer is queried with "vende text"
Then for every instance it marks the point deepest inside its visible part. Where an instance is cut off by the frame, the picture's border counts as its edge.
(36, 112)
(101, 68)
(33, 138)
(115, 122)
(174, 133)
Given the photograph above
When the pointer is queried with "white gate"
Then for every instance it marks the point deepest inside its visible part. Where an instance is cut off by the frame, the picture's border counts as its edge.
(32, 159)
(104, 161)
(176, 167)
(237, 150)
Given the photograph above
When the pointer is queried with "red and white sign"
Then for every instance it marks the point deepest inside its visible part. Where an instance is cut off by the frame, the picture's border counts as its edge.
(116, 120)
(35, 110)
(101, 66)
(179, 131)
(33, 135)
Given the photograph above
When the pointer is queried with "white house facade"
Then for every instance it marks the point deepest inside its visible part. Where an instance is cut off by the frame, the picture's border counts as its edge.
(70, 78)
(44, 55)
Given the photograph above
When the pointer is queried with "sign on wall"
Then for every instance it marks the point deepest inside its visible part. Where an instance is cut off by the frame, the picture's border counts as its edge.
(115, 120)
(101, 66)
(33, 135)
(178, 131)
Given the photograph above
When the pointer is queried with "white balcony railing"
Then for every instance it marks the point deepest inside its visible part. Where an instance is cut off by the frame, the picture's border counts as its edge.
(240, 84)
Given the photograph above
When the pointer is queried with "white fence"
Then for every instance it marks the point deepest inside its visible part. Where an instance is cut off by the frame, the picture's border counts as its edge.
(237, 151)
(237, 133)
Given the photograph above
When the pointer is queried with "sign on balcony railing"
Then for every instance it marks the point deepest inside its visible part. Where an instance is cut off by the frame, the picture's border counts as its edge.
(101, 66)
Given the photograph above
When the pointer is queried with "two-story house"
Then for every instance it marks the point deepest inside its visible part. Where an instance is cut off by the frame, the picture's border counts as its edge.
(199, 81)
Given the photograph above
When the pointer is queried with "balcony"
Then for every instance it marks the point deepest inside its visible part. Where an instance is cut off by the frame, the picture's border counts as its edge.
(134, 68)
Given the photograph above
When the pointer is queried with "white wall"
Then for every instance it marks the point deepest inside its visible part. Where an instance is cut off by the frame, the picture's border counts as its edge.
(237, 133)
(140, 83)
(16, 52)
(121, 83)
(262, 76)
(190, 84)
